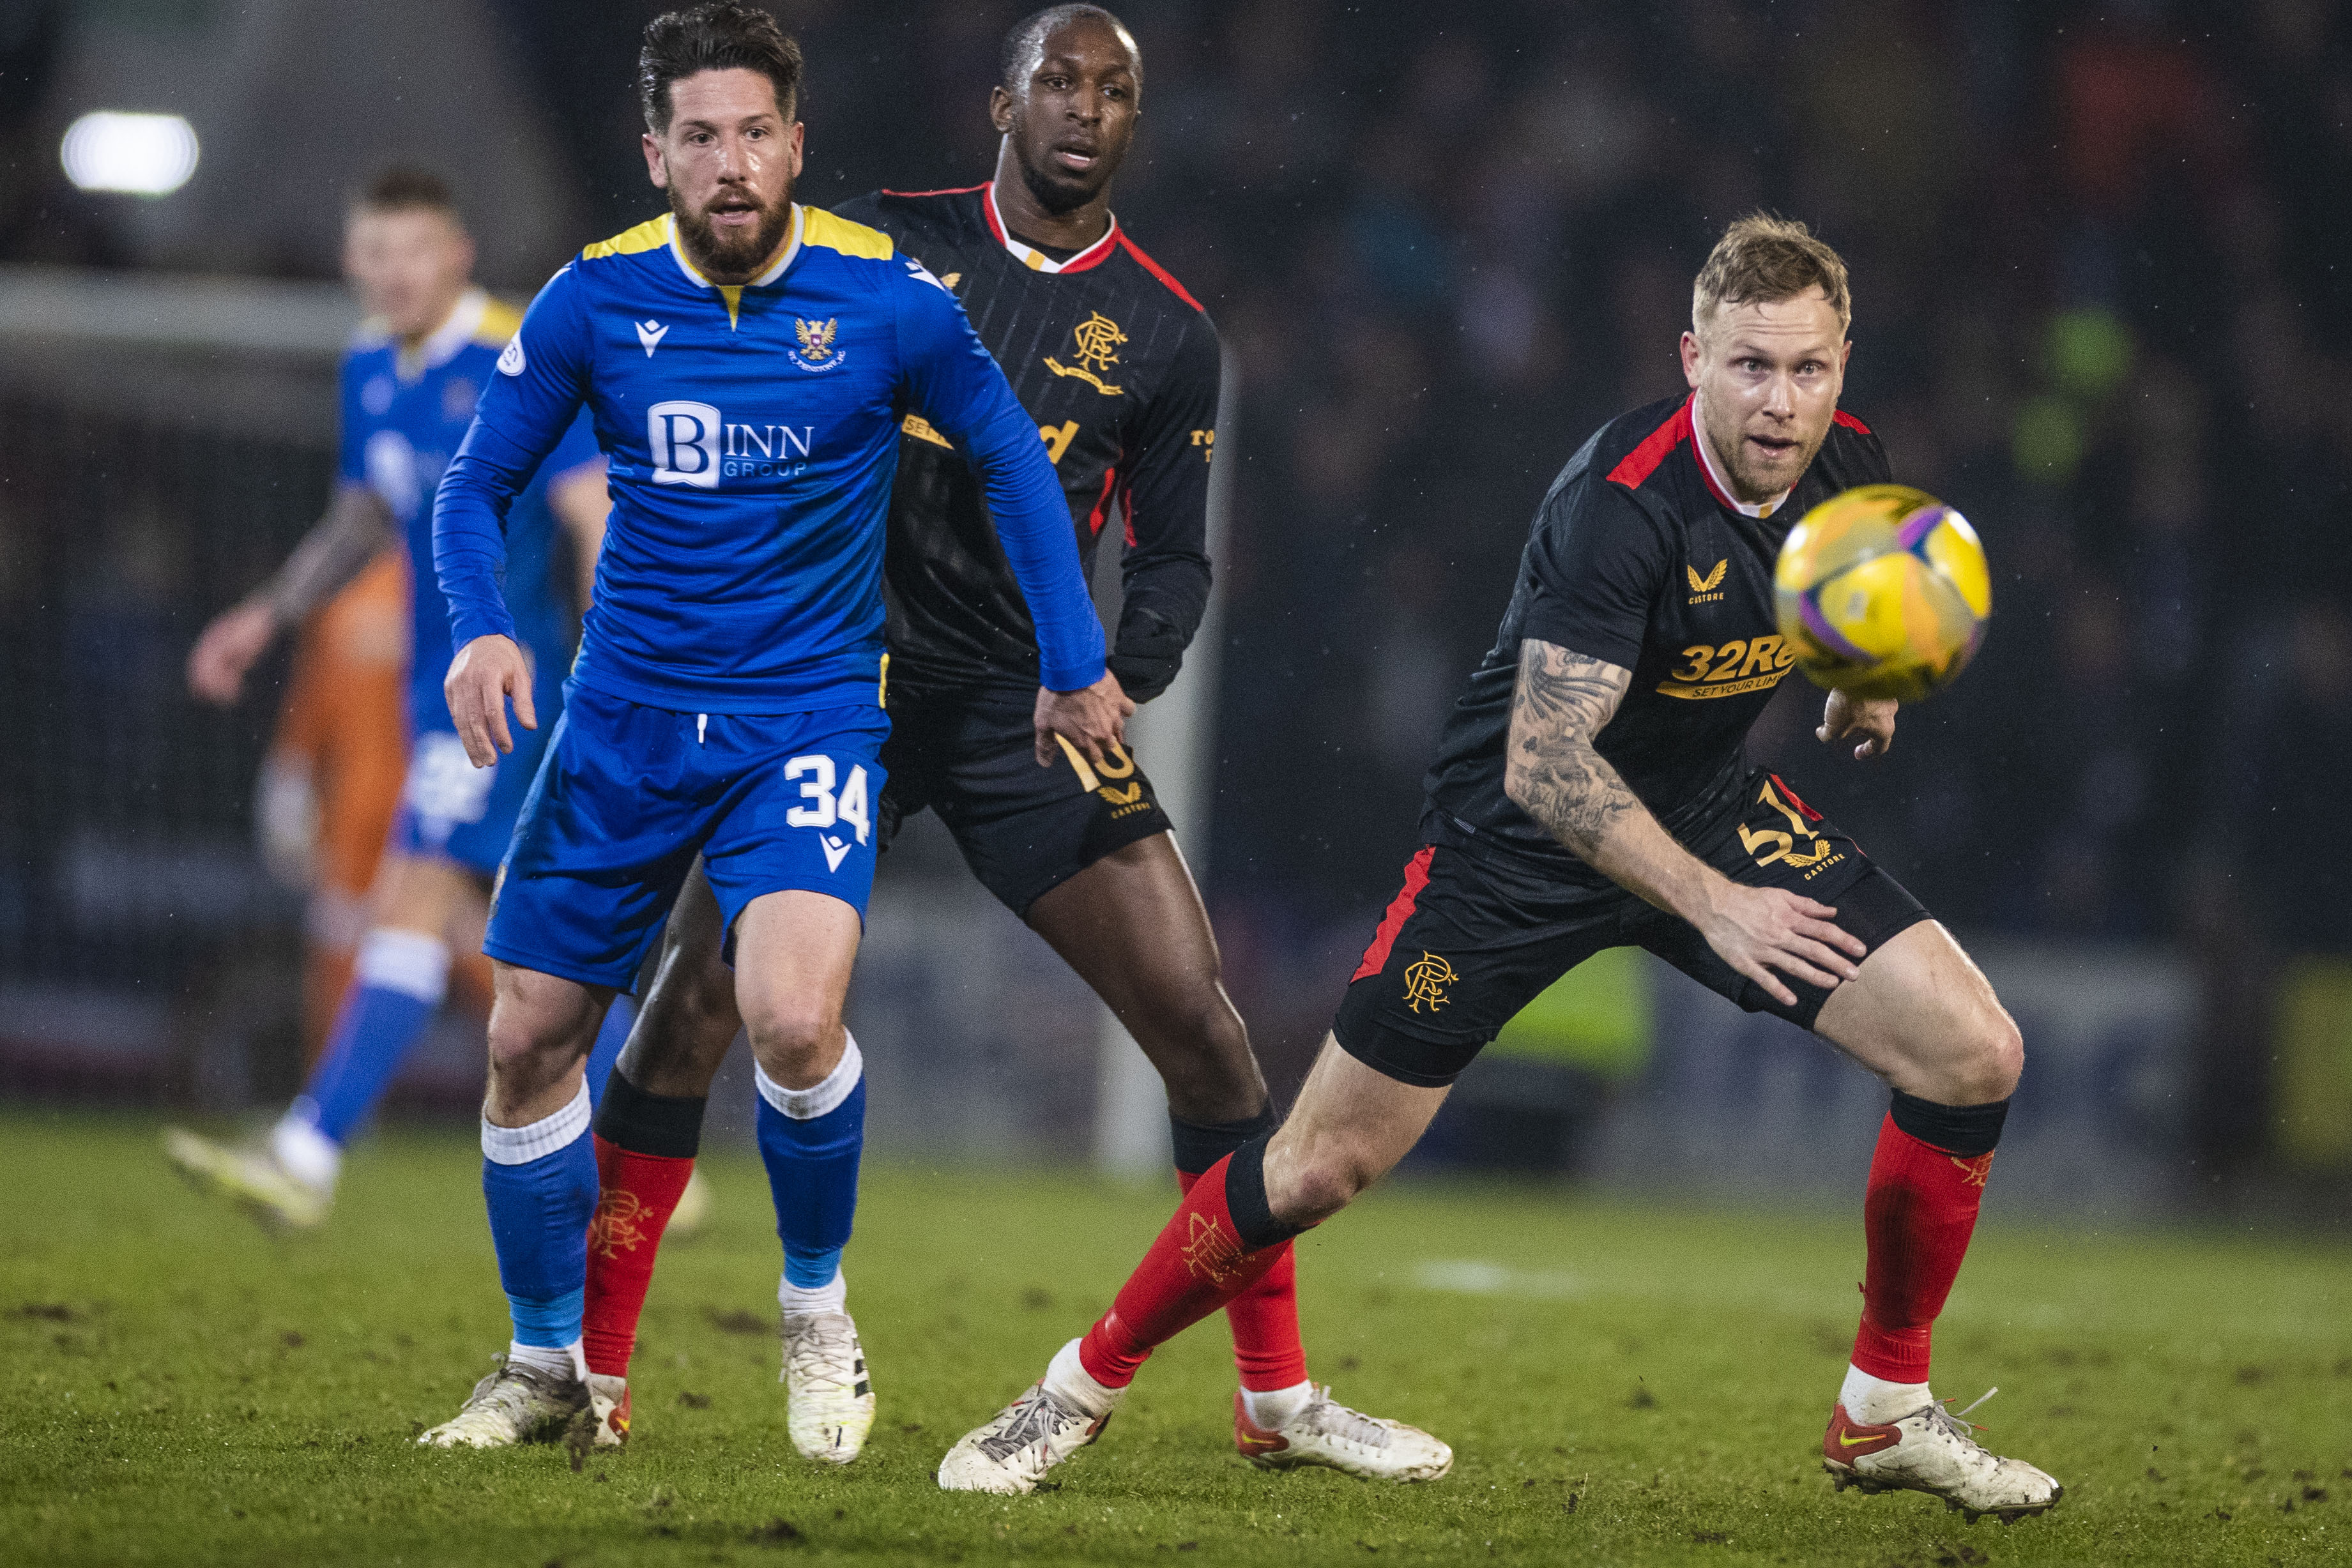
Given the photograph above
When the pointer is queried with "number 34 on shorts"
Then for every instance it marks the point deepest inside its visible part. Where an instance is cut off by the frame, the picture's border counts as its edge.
(835, 813)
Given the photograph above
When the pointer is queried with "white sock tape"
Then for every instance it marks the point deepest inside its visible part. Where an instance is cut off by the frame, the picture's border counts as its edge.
(408, 962)
(520, 1145)
(807, 1104)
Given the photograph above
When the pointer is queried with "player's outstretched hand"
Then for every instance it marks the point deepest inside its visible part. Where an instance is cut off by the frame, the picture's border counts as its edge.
(1873, 718)
(1758, 929)
(1091, 719)
(485, 674)
(236, 637)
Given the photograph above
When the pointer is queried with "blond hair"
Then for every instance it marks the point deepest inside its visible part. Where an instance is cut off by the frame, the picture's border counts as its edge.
(1761, 258)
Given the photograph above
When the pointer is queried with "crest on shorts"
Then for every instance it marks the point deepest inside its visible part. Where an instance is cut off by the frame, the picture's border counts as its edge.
(817, 353)
(1425, 981)
(1095, 342)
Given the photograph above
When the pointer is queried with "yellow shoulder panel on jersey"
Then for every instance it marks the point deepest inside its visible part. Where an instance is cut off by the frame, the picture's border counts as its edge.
(821, 227)
(651, 234)
(499, 322)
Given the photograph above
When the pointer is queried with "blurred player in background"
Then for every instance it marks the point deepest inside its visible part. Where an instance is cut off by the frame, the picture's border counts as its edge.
(747, 362)
(410, 383)
(331, 781)
(1592, 791)
(1117, 366)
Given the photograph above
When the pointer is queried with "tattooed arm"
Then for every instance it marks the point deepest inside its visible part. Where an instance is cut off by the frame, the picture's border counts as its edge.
(1553, 773)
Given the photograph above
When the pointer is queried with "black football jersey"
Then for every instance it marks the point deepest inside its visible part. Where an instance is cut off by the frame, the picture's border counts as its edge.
(1119, 366)
(1639, 557)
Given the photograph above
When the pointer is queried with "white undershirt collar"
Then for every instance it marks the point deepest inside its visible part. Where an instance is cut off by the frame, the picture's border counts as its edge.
(438, 345)
(1723, 485)
(1036, 260)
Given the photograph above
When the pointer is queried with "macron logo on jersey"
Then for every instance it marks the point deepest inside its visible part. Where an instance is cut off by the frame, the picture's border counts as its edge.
(650, 333)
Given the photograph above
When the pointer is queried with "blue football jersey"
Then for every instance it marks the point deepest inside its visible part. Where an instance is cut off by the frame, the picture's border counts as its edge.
(752, 436)
(405, 413)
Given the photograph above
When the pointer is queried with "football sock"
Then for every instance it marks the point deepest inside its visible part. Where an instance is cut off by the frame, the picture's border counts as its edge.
(646, 1146)
(1926, 1181)
(1874, 1402)
(613, 1034)
(810, 1139)
(397, 984)
(1221, 1240)
(1266, 1347)
(561, 1360)
(832, 1296)
(1267, 1410)
(1067, 1378)
(540, 1184)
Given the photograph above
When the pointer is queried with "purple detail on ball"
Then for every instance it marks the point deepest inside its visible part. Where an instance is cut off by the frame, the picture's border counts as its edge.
(1920, 525)
(1809, 611)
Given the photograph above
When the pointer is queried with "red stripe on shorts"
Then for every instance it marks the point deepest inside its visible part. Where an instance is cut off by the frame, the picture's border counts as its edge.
(1416, 877)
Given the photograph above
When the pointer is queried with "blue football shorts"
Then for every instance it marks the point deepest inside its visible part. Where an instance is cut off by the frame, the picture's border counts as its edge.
(449, 805)
(629, 795)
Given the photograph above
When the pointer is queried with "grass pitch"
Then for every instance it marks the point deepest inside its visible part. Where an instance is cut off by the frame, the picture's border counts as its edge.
(1622, 1384)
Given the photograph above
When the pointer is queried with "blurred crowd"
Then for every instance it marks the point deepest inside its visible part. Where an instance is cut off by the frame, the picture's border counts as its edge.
(2098, 255)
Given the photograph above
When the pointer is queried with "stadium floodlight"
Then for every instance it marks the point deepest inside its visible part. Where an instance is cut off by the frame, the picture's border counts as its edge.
(137, 154)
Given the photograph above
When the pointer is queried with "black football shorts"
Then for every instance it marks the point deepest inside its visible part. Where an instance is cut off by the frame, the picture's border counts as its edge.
(1476, 935)
(1023, 830)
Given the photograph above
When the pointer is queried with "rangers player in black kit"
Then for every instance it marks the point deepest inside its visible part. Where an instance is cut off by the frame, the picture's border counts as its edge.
(1591, 791)
(1120, 367)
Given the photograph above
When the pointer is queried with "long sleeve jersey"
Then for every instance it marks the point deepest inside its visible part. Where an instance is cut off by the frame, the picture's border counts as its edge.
(752, 437)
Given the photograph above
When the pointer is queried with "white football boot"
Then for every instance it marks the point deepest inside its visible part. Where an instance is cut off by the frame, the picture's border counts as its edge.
(513, 1405)
(1011, 1452)
(828, 1396)
(1326, 1432)
(608, 1410)
(251, 1178)
(1932, 1450)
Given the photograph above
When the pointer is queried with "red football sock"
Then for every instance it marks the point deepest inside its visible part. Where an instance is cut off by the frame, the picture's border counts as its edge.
(1919, 1212)
(639, 1193)
(1265, 1319)
(1194, 1266)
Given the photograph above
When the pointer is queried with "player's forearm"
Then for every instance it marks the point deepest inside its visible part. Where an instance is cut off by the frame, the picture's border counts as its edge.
(1577, 797)
(469, 546)
(1033, 524)
(338, 548)
(1160, 612)
(1554, 772)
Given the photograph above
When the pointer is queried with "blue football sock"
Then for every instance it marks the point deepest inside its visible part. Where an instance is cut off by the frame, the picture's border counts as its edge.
(618, 1019)
(540, 1182)
(810, 1139)
(396, 987)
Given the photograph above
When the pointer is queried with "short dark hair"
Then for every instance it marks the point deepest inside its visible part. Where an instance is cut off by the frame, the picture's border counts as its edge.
(1030, 32)
(404, 188)
(722, 37)
(1767, 258)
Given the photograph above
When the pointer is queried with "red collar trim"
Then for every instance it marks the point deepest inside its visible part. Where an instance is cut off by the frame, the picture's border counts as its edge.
(1092, 256)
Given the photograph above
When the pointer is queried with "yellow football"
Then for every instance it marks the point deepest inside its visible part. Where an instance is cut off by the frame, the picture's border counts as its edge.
(1883, 592)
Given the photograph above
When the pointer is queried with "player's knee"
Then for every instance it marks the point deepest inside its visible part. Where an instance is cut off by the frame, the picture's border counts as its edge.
(788, 1033)
(521, 1036)
(1204, 1058)
(1993, 1061)
(1320, 1181)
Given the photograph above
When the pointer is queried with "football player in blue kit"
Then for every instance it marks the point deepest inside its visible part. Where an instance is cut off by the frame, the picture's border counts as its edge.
(409, 384)
(748, 362)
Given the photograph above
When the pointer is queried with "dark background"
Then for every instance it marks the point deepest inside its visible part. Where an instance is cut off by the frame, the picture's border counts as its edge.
(2099, 257)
